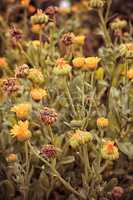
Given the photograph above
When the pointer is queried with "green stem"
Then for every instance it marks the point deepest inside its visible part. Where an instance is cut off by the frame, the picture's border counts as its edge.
(65, 183)
(51, 134)
(104, 28)
(27, 164)
(69, 97)
(25, 54)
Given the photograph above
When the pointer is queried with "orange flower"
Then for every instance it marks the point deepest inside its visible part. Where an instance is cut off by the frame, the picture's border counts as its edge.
(21, 131)
(11, 157)
(130, 73)
(3, 62)
(31, 9)
(109, 151)
(102, 122)
(24, 2)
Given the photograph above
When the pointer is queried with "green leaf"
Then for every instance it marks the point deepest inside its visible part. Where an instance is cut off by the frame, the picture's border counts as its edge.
(126, 148)
(67, 160)
(112, 183)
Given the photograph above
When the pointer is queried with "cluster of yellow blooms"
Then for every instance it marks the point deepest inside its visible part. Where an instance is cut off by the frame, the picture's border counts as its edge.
(86, 63)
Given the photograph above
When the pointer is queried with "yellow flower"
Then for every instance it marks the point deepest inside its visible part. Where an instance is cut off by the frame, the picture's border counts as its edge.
(79, 138)
(130, 73)
(102, 122)
(38, 94)
(36, 28)
(36, 76)
(78, 62)
(11, 157)
(91, 63)
(109, 151)
(79, 40)
(20, 131)
(22, 110)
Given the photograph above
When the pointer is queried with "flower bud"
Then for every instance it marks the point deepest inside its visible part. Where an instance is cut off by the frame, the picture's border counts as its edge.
(48, 115)
(39, 18)
(36, 76)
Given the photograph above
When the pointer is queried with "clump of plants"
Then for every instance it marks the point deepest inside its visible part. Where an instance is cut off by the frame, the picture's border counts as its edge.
(66, 118)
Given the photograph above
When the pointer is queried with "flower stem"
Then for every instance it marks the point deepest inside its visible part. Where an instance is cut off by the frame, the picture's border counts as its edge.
(104, 29)
(69, 97)
(62, 180)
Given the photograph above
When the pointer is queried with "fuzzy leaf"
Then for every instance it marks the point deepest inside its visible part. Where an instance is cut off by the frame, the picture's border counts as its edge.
(67, 160)
(126, 148)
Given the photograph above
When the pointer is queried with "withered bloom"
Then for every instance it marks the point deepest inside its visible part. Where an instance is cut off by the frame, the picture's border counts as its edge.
(67, 39)
(48, 115)
(10, 85)
(49, 151)
(21, 71)
(51, 11)
(117, 192)
(16, 34)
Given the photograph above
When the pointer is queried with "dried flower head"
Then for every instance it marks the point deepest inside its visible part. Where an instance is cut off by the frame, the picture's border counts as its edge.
(21, 71)
(36, 76)
(48, 115)
(51, 11)
(16, 34)
(102, 122)
(130, 73)
(78, 62)
(117, 192)
(38, 94)
(67, 39)
(39, 18)
(11, 157)
(79, 138)
(49, 151)
(10, 85)
(20, 131)
(22, 110)
(109, 151)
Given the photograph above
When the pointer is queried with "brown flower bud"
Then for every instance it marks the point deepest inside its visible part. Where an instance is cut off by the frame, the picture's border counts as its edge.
(51, 11)
(49, 151)
(21, 71)
(16, 34)
(10, 85)
(67, 39)
(48, 115)
(117, 191)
